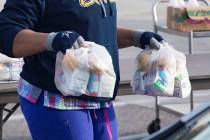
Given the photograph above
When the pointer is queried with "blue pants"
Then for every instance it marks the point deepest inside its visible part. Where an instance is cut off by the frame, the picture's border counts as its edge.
(52, 124)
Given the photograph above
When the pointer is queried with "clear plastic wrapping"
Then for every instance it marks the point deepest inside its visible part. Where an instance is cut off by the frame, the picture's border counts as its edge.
(165, 73)
(10, 68)
(85, 71)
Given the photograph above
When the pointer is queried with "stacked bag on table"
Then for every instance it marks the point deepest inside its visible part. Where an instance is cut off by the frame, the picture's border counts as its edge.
(161, 72)
(85, 71)
(10, 68)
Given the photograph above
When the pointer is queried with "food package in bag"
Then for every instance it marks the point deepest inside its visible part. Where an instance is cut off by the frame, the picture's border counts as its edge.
(102, 80)
(60, 80)
(158, 77)
(10, 68)
(4, 72)
(85, 71)
(77, 76)
(143, 59)
(166, 75)
(137, 83)
(158, 81)
(143, 63)
(182, 85)
(101, 85)
(71, 73)
(15, 69)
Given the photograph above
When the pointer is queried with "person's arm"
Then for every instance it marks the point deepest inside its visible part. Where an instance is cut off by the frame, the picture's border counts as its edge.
(129, 37)
(125, 37)
(17, 20)
(28, 42)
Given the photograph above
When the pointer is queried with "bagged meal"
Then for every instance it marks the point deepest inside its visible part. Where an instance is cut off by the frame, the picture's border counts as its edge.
(161, 72)
(10, 68)
(85, 71)
(156, 72)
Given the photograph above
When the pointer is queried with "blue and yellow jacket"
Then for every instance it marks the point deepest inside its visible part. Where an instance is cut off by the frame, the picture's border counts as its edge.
(95, 20)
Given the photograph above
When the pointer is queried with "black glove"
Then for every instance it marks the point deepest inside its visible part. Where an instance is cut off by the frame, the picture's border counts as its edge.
(146, 38)
(151, 39)
(61, 41)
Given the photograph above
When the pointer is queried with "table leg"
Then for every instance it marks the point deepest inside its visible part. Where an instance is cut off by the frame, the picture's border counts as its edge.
(1, 121)
(191, 101)
(157, 108)
(154, 126)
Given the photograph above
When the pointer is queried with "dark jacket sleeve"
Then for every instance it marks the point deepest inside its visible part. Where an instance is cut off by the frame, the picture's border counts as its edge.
(16, 16)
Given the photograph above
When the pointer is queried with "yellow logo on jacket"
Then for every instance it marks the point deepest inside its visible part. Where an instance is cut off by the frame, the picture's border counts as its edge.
(87, 3)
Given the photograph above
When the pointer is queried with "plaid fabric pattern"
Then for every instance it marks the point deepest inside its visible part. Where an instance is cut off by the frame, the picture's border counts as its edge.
(57, 101)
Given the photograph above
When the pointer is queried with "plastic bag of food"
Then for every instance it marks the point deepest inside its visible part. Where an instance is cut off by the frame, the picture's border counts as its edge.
(143, 63)
(143, 59)
(137, 83)
(10, 68)
(157, 77)
(102, 79)
(158, 81)
(4, 72)
(182, 85)
(85, 71)
(165, 73)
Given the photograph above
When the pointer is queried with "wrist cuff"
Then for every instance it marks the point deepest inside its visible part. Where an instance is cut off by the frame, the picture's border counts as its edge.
(49, 41)
(136, 39)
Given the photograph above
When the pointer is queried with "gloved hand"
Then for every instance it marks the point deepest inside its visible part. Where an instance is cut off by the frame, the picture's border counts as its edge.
(151, 39)
(61, 41)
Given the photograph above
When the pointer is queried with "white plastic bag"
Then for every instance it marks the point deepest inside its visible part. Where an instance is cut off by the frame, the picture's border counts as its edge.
(137, 83)
(166, 75)
(10, 68)
(81, 80)
(182, 85)
(102, 81)
(4, 72)
(143, 59)
(158, 77)
(143, 64)
(15, 69)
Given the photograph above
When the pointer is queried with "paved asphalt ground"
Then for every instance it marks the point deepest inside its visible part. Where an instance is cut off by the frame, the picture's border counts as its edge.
(134, 113)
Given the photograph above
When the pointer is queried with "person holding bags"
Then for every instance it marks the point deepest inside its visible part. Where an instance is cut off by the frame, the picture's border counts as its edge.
(37, 30)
